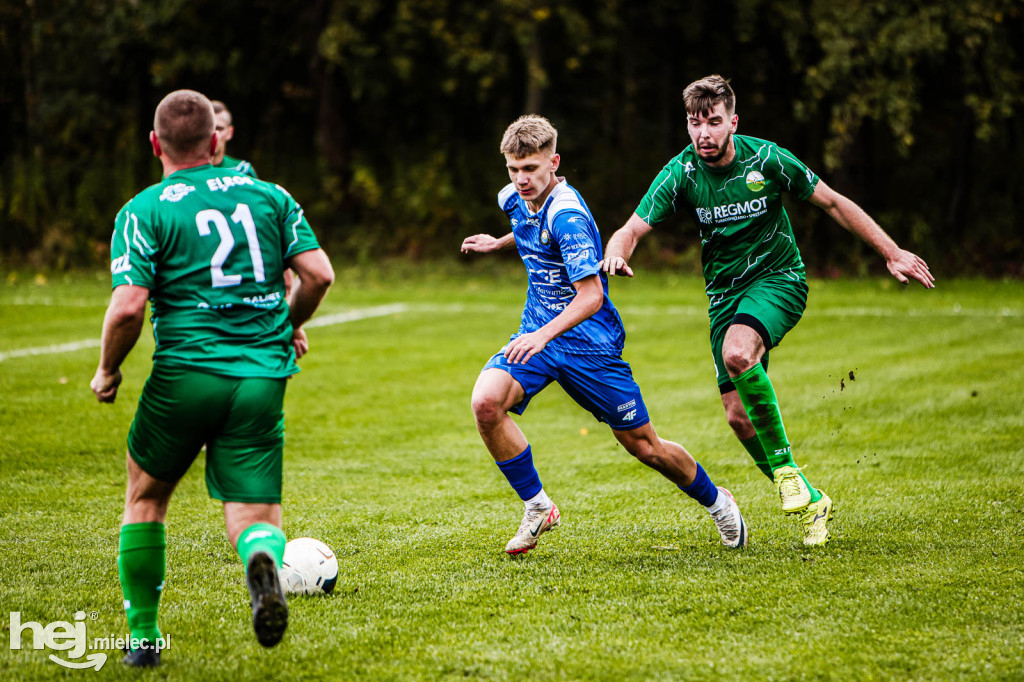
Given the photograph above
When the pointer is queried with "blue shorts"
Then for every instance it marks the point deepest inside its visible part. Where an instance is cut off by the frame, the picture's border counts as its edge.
(601, 384)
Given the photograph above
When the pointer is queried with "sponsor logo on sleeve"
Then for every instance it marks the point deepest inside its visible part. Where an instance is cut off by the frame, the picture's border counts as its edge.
(581, 255)
(120, 265)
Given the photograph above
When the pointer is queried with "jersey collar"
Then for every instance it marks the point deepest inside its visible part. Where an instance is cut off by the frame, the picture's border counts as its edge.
(560, 186)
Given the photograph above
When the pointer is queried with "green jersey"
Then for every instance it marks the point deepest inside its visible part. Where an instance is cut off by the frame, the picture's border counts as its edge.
(210, 246)
(239, 165)
(745, 232)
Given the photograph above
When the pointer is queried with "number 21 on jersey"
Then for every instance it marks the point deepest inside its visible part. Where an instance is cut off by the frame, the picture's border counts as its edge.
(242, 216)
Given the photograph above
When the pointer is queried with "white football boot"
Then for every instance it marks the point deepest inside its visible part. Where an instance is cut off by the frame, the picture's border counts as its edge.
(730, 522)
(535, 522)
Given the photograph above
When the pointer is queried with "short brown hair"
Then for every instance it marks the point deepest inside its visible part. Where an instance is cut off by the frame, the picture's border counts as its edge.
(528, 135)
(184, 124)
(703, 95)
(221, 108)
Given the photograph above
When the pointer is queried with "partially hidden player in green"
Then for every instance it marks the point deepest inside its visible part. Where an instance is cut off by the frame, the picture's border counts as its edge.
(732, 186)
(207, 247)
(225, 131)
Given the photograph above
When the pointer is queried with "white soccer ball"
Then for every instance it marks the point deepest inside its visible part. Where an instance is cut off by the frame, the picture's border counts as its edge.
(309, 567)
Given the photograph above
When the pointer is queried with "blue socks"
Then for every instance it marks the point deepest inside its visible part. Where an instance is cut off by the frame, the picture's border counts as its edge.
(522, 475)
(702, 489)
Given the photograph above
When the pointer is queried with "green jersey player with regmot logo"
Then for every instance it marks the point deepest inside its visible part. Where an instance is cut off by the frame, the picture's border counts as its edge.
(732, 187)
(208, 248)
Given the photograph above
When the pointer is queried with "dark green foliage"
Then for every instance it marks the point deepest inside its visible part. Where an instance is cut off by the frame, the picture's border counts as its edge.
(383, 117)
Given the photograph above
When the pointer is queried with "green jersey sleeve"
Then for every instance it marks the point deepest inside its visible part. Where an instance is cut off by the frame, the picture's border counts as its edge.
(792, 174)
(663, 198)
(132, 249)
(298, 235)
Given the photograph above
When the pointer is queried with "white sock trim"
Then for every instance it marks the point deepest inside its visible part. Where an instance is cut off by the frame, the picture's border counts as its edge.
(539, 501)
(720, 502)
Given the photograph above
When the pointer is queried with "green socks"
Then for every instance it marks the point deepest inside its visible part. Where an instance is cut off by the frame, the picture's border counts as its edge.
(753, 446)
(141, 565)
(758, 397)
(262, 537)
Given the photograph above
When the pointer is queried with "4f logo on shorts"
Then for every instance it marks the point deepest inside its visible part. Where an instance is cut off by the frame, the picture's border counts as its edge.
(629, 416)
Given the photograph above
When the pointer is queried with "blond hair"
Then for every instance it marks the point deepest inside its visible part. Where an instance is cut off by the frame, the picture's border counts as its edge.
(184, 124)
(529, 135)
(701, 96)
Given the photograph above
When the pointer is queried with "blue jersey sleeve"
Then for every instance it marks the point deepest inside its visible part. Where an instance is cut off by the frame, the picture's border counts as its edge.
(575, 236)
(507, 198)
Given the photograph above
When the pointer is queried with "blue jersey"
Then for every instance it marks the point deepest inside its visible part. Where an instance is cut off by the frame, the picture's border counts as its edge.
(560, 245)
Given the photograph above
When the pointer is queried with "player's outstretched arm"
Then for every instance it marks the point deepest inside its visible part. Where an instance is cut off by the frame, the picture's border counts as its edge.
(485, 243)
(621, 246)
(314, 277)
(122, 325)
(902, 264)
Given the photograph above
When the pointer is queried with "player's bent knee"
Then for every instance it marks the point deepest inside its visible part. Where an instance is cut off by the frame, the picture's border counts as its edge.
(737, 423)
(741, 426)
(737, 361)
(487, 410)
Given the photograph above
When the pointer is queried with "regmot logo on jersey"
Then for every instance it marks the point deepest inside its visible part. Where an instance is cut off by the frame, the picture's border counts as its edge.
(731, 212)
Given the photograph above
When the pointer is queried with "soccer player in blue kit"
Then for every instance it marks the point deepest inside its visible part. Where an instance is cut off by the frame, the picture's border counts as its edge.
(570, 333)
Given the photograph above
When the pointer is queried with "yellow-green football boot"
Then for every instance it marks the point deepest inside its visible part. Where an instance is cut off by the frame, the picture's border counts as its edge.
(814, 520)
(793, 490)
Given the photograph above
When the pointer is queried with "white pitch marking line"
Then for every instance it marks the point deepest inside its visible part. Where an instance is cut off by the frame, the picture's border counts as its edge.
(323, 321)
(355, 315)
(397, 308)
(50, 350)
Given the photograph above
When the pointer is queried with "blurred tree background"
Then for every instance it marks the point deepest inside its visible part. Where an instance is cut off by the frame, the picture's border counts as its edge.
(383, 117)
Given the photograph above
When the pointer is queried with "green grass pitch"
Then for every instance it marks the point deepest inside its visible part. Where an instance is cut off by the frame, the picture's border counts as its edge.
(905, 405)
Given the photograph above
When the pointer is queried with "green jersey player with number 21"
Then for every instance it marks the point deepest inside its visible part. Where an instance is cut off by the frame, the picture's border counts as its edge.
(207, 247)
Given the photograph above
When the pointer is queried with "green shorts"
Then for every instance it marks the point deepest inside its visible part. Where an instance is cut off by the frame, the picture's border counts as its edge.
(771, 306)
(240, 421)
